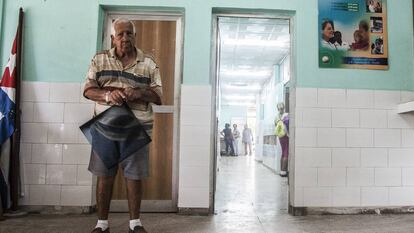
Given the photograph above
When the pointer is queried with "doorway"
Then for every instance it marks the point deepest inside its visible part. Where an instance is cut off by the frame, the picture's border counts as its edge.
(159, 35)
(252, 76)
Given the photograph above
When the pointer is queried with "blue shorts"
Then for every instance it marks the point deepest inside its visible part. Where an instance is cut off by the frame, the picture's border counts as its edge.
(135, 166)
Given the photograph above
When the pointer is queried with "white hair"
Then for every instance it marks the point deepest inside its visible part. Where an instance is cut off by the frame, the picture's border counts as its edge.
(121, 20)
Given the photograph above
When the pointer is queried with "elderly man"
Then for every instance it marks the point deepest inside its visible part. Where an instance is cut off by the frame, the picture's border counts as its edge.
(123, 74)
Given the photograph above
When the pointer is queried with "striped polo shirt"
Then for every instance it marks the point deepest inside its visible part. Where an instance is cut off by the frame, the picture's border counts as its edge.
(106, 72)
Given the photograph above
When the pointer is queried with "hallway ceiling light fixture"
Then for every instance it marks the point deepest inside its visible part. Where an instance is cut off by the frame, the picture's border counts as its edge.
(261, 43)
(245, 103)
(250, 87)
(239, 84)
(249, 36)
(245, 67)
(255, 28)
(239, 97)
(248, 73)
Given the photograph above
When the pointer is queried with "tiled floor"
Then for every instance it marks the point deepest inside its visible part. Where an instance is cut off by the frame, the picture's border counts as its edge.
(247, 188)
(250, 199)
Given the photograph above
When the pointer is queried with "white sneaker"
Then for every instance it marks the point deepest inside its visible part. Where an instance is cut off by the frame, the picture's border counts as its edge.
(282, 173)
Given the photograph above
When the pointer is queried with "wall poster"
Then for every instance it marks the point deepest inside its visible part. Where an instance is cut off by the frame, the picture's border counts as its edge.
(353, 34)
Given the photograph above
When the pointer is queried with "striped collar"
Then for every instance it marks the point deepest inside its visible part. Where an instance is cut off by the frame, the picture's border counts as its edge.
(140, 54)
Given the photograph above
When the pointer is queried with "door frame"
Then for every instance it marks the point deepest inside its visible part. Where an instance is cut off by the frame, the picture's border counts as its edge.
(178, 17)
(214, 79)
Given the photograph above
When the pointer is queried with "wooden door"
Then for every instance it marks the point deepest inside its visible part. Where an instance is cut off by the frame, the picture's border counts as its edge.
(157, 38)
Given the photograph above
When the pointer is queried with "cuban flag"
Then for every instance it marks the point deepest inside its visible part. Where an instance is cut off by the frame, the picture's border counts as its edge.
(7, 117)
(7, 97)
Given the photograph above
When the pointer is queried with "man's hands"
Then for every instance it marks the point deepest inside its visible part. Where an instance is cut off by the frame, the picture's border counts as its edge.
(133, 94)
(117, 97)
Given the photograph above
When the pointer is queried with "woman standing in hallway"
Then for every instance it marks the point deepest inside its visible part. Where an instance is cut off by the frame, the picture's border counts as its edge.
(282, 132)
(247, 139)
(236, 136)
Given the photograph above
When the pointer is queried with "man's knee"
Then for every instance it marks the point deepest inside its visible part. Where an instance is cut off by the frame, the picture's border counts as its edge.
(106, 180)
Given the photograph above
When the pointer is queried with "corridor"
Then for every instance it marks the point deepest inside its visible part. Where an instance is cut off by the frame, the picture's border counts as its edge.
(247, 188)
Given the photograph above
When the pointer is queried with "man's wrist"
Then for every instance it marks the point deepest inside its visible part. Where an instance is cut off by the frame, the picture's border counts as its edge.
(142, 93)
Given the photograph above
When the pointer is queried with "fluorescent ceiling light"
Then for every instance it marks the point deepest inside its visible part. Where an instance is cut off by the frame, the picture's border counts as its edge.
(245, 67)
(239, 84)
(248, 87)
(240, 97)
(239, 103)
(249, 73)
(267, 43)
(251, 37)
(255, 28)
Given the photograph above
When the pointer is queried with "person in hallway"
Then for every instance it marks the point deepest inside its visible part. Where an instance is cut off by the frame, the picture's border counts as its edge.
(228, 139)
(123, 74)
(282, 132)
(247, 139)
(236, 136)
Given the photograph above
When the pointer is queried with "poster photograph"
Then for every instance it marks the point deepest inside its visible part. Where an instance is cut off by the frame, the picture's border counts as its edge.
(353, 34)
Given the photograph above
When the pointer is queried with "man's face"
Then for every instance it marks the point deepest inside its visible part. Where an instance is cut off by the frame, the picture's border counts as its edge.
(124, 39)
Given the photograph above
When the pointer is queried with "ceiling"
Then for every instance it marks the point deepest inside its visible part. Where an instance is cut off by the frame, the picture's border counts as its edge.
(249, 49)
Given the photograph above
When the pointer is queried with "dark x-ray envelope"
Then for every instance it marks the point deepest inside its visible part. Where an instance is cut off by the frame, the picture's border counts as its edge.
(115, 134)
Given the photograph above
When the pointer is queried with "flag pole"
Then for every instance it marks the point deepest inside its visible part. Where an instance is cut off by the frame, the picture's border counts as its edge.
(14, 177)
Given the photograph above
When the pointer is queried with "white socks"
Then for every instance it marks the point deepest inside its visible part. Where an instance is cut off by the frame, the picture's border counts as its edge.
(103, 224)
(133, 223)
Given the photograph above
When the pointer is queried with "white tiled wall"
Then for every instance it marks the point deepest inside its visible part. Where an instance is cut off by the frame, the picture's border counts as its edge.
(195, 147)
(56, 154)
(54, 151)
(353, 149)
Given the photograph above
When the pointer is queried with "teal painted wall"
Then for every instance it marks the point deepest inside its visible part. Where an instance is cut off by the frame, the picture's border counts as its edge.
(61, 37)
(1, 25)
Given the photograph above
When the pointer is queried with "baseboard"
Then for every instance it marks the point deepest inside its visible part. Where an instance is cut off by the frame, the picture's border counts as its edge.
(303, 211)
(297, 211)
(360, 210)
(194, 211)
(58, 209)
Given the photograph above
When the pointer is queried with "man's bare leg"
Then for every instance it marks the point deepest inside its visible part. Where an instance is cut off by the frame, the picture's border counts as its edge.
(103, 195)
(134, 194)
